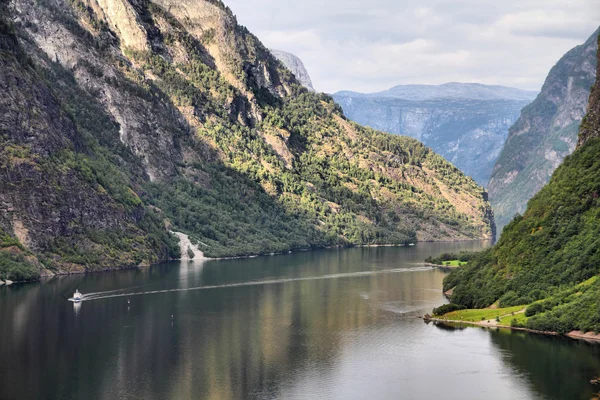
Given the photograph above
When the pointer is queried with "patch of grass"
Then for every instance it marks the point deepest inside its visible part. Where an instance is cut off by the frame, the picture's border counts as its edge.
(452, 259)
(477, 315)
(508, 319)
(454, 263)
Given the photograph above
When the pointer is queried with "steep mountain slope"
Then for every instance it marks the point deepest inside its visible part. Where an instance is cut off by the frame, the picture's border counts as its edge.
(465, 123)
(62, 194)
(552, 252)
(544, 134)
(127, 119)
(296, 66)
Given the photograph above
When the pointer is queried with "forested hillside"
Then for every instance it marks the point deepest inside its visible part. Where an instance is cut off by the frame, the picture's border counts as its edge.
(550, 256)
(129, 119)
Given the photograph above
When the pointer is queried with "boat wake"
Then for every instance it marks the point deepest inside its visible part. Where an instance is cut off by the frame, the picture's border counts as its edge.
(122, 292)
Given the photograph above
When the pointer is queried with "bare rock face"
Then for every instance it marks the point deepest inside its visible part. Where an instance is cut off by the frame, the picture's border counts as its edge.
(123, 19)
(57, 200)
(545, 133)
(294, 64)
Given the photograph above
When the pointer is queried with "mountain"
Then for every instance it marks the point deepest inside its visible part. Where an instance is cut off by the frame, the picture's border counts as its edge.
(452, 90)
(122, 121)
(295, 65)
(551, 254)
(467, 123)
(544, 134)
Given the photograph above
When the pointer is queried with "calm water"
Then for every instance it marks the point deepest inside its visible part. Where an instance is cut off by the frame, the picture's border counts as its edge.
(338, 324)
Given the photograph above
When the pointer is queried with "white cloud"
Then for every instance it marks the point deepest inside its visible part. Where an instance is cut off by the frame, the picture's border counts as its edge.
(370, 46)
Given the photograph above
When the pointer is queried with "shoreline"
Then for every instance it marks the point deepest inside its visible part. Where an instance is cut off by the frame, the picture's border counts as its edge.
(204, 259)
(575, 335)
(448, 267)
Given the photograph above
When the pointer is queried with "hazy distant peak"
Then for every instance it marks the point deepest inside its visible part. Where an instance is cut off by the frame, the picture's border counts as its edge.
(294, 64)
(454, 90)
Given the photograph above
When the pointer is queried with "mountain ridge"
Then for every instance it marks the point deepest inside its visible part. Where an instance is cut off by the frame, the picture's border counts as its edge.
(474, 91)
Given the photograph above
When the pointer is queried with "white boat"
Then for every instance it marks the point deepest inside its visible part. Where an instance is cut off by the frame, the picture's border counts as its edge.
(8, 282)
(77, 297)
(1, 282)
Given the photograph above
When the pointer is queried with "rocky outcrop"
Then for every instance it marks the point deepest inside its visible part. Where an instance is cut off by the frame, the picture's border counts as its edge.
(294, 64)
(465, 123)
(590, 126)
(189, 251)
(545, 133)
(122, 18)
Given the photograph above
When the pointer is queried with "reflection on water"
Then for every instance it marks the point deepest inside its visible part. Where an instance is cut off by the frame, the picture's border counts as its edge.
(568, 363)
(77, 307)
(327, 324)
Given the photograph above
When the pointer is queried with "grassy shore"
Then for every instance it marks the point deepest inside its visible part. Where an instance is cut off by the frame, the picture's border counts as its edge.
(487, 315)
(503, 318)
(453, 263)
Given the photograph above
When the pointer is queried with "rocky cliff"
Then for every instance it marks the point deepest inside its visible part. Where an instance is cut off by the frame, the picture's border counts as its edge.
(544, 134)
(294, 64)
(124, 120)
(465, 123)
(590, 125)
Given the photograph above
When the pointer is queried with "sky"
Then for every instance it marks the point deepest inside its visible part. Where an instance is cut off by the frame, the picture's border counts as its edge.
(368, 46)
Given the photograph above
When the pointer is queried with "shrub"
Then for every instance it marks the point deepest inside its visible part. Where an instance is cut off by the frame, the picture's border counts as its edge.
(533, 309)
(447, 308)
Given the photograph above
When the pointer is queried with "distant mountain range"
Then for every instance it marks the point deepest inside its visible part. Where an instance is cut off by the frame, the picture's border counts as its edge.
(467, 123)
(545, 133)
(452, 90)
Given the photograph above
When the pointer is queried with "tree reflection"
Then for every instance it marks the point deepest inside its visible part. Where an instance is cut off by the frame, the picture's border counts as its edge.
(557, 368)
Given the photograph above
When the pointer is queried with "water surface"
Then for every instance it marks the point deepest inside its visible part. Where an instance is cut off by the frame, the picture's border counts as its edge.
(337, 324)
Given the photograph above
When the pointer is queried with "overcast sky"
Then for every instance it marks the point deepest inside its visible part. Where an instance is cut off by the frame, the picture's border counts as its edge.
(373, 45)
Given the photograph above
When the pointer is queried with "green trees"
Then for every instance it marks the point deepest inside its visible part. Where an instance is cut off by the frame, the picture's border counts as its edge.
(447, 308)
(555, 243)
(14, 264)
(545, 254)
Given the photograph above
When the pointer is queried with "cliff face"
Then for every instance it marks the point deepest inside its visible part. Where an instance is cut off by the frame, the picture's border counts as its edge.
(590, 126)
(296, 66)
(58, 200)
(125, 120)
(544, 134)
(465, 123)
